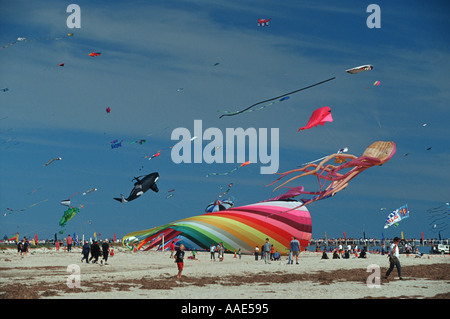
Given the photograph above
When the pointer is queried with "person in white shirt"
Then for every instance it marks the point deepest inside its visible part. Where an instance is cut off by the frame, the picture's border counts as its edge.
(212, 251)
(394, 259)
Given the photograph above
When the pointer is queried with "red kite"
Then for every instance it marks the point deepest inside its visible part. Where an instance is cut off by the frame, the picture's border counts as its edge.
(319, 116)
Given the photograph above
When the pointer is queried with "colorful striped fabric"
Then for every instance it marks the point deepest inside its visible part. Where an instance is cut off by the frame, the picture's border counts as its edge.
(237, 228)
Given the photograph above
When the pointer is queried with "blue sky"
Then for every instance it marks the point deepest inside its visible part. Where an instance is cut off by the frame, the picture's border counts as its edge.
(149, 49)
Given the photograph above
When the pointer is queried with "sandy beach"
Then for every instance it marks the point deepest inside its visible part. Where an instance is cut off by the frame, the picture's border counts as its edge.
(44, 274)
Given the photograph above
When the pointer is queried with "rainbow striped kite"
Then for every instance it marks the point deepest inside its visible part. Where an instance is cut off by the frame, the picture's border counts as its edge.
(242, 228)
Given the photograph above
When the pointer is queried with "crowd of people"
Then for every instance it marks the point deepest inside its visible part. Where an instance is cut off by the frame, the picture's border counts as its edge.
(96, 251)
(93, 249)
(92, 252)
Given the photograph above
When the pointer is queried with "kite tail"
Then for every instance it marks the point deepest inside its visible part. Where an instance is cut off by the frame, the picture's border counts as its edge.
(275, 98)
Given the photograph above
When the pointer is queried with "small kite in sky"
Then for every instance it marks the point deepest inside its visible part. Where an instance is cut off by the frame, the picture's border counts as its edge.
(108, 110)
(319, 117)
(229, 172)
(263, 22)
(61, 64)
(226, 192)
(275, 98)
(170, 195)
(376, 83)
(25, 208)
(359, 69)
(376, 154)
(90, 191)
(116, 144)
(4, 89)
(140, 187)
(23, 39)
(154, 155)
(396, 216)
(140, 142)
(262, 107)
(158, 153)
(216, 64)
(93, 54)
(52, 160)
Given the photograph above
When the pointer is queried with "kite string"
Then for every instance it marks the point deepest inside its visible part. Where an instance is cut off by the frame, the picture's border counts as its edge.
(278, 97)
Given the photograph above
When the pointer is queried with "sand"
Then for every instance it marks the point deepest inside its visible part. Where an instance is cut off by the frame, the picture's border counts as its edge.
(43, 274)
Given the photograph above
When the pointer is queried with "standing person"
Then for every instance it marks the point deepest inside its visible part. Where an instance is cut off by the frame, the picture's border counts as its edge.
(267, 247)
(212, 251)
(172, 249)
(179, 255)
(95, 252)
(340, 251)
(295, 248)
(69, 242)
(272, 252)
(221, 252)
(394, 260)
(86, 250)
(105, 251)
(19, 248)
(25, 245)
(256, 252)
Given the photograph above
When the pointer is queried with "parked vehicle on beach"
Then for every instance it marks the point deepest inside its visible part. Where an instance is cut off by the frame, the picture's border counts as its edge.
(440, 249)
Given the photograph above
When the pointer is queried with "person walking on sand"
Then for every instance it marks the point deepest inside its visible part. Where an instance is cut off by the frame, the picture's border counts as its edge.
(295, 248)
(95, 252)
(85, 251)
(394, 260)
(256, 252)
(25, 245)
(69, 242)
(105, 251)
(179, 255)
(172, 249)
(266, 248)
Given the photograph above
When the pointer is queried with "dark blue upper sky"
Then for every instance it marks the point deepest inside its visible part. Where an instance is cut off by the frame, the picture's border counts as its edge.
(149, 49)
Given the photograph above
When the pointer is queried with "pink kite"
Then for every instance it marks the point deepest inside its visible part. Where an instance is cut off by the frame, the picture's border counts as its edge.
(319, 116)
(108, 110)
(377, 153)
